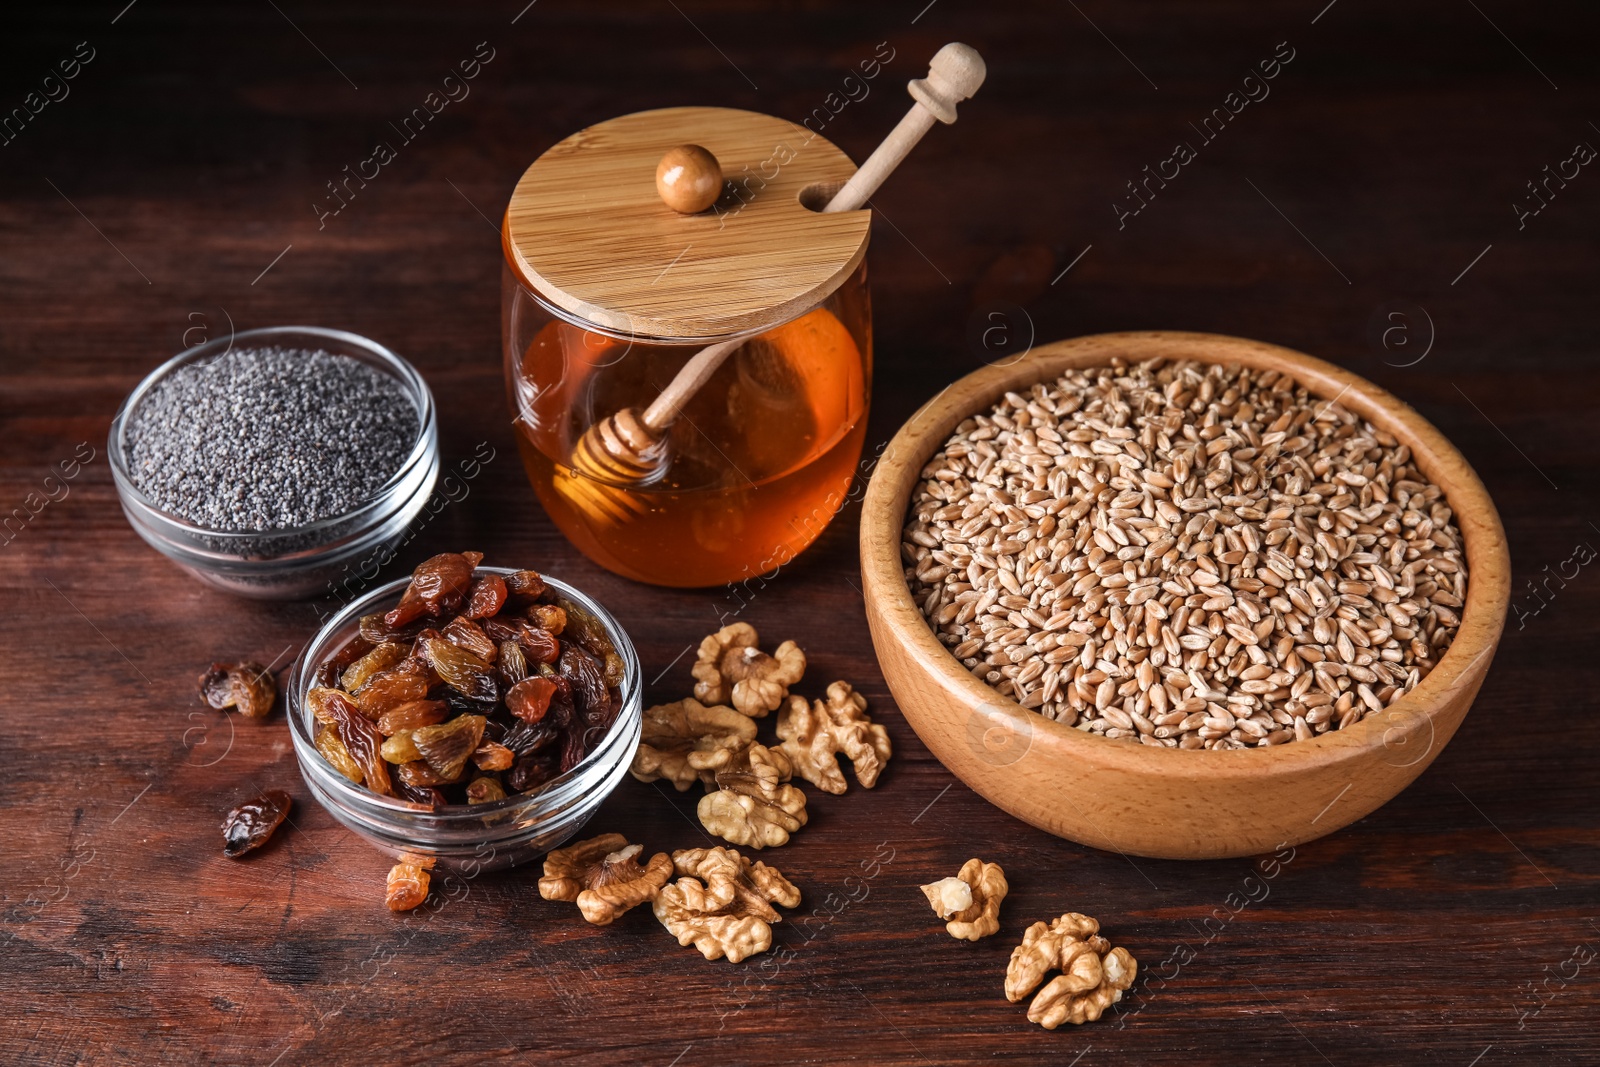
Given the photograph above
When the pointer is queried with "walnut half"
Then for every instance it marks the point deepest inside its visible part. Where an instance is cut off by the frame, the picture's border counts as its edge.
(970, 900)
(1093, 974)
(752, 804)
(730, 913)
(730, 669)
(685, 742)
(815, 735)
(604, 876)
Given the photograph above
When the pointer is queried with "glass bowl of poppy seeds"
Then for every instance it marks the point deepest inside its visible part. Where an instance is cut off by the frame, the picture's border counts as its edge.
(278, 462)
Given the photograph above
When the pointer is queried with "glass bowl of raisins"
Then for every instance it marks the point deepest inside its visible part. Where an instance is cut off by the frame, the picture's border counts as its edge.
(476, 716)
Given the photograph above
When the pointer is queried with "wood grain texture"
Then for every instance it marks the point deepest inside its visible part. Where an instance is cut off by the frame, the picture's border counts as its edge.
(590, 234)
(1191, 805)
(1438, 930)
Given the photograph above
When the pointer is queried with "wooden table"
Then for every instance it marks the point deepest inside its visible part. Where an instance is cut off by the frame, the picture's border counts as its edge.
(1363, 211)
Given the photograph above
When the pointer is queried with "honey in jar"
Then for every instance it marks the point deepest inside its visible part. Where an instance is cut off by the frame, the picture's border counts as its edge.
(610, 292)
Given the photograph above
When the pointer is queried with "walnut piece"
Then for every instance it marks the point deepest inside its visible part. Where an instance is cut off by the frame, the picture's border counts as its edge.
(814, 734)
(970, 900)
(732, 670)
(752, 804)
(604, 876)
(730, 913)
(1093, 974)
(686, 742)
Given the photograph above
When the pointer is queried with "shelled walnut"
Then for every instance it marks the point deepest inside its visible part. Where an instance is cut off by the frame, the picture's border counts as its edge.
(730, 912)
(971, 900)
(603, 876)
(752, 804)
(815, 734)
(1093, 974)
(730, 669)
(686, 742)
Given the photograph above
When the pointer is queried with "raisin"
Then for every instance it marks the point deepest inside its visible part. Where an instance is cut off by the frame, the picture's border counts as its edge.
(446, 747)
(323, 700)
(410, 716)
(484, 790)
(541, 645)
(400, 748)
(389, 689)
(526, 739)
(490, 756)
(526, 584)
(552, 617)
(589, 632)
(460, 669)
(587, 677)
(380, 658)
(468, 635)
(418, 774)
(407, 887)
(530, 698)
(250, 824)
(247, 687)
(530, 772)
(364, 743)
(337, 755)
(424, 795)
(438, 587)
(486, 598)
(374, 631)
(573, 749)
(512, 664)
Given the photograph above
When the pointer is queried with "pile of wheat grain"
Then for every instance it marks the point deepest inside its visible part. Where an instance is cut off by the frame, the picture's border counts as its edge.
(1192, 555)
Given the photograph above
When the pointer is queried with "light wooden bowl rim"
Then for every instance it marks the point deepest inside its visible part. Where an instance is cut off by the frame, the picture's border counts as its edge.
(1488, 561)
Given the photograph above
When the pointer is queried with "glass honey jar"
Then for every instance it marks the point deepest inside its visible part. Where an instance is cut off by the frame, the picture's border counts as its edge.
(610, 293)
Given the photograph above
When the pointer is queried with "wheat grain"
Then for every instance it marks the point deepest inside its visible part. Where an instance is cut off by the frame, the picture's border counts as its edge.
(1185, 554)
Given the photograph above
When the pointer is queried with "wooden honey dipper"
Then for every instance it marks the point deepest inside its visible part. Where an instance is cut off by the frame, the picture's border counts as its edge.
(631, 449)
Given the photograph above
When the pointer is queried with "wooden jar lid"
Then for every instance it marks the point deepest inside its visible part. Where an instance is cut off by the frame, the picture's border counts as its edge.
(587, 230)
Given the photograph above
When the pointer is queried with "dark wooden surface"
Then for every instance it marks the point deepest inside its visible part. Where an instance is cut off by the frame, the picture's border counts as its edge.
(1455, 926)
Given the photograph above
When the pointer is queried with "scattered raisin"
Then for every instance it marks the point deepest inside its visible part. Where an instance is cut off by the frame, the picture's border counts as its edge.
(250, 824)
(248, 687)
(407, 888)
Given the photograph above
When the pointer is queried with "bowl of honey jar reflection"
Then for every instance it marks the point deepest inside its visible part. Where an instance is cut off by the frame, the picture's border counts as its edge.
(610, 292)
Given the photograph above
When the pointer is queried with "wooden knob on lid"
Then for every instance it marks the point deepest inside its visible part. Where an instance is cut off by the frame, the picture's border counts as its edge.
(689, 179)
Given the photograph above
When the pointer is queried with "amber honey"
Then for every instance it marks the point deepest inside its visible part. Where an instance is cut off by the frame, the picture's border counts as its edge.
(762, 456)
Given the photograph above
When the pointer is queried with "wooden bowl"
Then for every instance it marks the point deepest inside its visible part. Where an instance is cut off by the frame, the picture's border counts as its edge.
(1163, 802)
